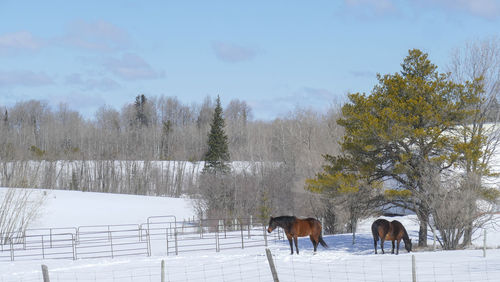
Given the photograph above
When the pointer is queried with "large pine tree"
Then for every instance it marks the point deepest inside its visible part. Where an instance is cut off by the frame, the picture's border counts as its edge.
(404, 131)
(217, 155)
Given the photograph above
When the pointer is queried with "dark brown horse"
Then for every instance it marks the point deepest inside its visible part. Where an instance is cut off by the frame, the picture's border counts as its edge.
(295, 227)
(393, 231)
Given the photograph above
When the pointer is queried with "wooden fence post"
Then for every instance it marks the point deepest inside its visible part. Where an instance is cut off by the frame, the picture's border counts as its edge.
(271, 265)
(45, 273)
(162, 270)
(484, 244)
(413, 269)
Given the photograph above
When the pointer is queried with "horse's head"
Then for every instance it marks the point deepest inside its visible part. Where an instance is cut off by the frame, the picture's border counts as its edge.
(272, 225)
(408, 245)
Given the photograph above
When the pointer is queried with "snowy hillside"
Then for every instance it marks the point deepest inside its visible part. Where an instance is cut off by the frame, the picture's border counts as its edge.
(75, 208)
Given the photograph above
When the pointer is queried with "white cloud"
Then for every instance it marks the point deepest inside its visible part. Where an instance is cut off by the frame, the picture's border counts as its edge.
(96, 36)
(104, 83)
(379, 7)
(233, 53)
(19, 41)
(132, 67)
(489, 9)
(24, 78)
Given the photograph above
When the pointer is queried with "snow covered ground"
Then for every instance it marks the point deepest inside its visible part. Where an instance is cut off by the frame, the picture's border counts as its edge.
(341, 262)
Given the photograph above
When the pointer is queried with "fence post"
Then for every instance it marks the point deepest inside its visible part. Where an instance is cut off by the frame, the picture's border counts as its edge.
(162, 270)
(249, 236)
(484, 244)
(73, 246)
(413, 269)
(11, 250)
(110, 242)
(265, 235)
(201, 229)
(176, 248)
(167, 243)
(434, 237)
(45, 273)
(271, 265)
(242, 244)
(217, 238)
(43, 249)
(148, 241)
(224, 225)
(322, 227)
(251, 221)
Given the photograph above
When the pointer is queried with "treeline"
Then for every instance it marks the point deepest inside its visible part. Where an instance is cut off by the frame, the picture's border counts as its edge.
(154, 146)
(160, 128)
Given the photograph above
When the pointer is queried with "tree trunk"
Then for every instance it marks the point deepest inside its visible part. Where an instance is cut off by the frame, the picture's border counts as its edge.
(469, 226)
(354, 227)
(423, 218)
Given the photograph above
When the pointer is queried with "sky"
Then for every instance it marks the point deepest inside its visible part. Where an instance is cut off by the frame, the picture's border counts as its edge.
(276, 56)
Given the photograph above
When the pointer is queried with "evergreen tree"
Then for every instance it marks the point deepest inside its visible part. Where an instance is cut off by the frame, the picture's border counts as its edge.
(140, 110)
(403, 131)
(218, 153)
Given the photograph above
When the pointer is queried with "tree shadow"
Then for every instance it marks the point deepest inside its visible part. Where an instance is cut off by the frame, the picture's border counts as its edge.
(339, 242)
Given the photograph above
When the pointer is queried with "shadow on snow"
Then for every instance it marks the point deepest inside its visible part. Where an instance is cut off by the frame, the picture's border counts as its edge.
(338, 242)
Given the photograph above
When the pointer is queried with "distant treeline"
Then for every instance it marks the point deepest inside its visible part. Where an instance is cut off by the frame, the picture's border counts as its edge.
(127, 150)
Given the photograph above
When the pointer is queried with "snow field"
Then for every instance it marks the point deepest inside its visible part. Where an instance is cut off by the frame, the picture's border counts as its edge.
(342, 261)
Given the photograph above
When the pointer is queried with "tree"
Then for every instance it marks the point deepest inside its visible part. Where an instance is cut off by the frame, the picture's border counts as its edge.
(403, 126)
(18, 209)
(478, 61)
(140, 110)
(349, 192)
(217, 155)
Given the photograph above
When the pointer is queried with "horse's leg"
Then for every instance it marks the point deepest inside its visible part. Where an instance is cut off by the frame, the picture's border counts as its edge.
(375, 244)
(392, 252)
(315, 243)
(397, 250)
(296, 244)
(382, 245)
(289, 237)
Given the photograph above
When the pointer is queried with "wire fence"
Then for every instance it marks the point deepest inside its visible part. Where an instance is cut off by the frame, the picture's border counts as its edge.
(160, 235)
(288, 268)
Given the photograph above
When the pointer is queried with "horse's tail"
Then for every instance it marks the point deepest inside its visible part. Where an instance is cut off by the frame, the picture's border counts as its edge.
(322, 242)
(375, 232)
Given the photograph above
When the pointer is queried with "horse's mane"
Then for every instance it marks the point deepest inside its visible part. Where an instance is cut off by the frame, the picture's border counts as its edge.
(284, 219)
(405, 234)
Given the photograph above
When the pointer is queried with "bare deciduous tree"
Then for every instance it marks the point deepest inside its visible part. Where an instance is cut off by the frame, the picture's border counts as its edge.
(479, 61)
(18, 208)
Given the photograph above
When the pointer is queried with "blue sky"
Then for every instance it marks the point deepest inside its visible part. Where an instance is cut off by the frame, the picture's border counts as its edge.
(275, 55)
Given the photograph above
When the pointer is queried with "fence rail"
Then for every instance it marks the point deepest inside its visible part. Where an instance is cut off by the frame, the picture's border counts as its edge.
(160, 235)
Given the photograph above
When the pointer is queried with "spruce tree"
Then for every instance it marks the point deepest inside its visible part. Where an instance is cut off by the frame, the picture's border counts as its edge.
(217, 155)
(140, 110)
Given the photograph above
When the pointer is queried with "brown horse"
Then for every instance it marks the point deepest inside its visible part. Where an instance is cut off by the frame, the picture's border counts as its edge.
(295, 227)
(393, 231)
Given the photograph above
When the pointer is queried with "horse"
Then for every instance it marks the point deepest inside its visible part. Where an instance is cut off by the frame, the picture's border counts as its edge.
(393, 231)
(295, 227)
